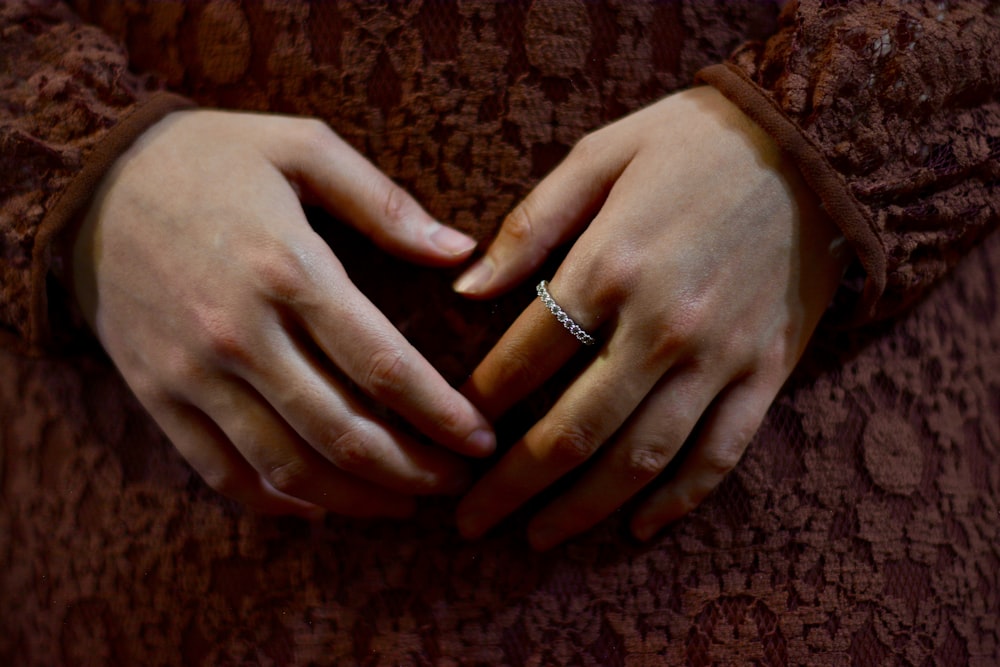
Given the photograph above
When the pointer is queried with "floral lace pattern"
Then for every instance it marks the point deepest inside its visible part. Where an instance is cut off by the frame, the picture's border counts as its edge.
(906, 118)
(862, 527)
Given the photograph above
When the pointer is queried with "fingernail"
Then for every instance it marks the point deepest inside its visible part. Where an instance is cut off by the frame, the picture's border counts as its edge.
(451, 241)
(476, 278)
(482, 442)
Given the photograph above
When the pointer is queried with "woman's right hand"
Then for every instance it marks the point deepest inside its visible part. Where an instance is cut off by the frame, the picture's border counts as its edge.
(234, 323)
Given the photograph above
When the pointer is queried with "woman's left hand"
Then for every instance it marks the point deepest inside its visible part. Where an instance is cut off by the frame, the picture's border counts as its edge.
(702, 267)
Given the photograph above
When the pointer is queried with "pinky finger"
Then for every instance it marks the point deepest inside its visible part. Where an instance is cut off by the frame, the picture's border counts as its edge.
(731, 425)
(222, 467)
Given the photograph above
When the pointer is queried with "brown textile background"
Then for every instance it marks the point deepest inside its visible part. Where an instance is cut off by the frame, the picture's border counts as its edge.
(862, 527)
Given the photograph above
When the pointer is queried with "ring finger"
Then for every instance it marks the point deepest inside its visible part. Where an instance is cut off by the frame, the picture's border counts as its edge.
(727, 431)
(641, 451)
(529, 353)
(220, 465)
(288, 463)
(334, 423)
(588, 413)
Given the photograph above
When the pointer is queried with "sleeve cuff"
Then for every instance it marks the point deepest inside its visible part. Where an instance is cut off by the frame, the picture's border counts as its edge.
(845, 211)
(68, 207)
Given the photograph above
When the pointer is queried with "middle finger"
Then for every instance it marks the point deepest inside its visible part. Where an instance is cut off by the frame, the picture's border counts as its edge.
(338, 426)
(286, 462)
(534, 347)
(584, 417)
(642, 449)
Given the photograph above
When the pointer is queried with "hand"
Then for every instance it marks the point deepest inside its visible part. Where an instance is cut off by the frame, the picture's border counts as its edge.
(703, 265)
(235, 325)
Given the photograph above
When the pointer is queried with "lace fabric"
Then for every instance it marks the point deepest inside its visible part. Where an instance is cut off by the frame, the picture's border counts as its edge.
(861, 527)
(907, 122)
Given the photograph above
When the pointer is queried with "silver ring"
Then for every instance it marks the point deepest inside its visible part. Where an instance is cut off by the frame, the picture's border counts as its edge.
(560, 314)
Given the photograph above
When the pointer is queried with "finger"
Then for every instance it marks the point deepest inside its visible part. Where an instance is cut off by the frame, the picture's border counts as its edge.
(289, 464)
(584, 417)
(556, 210)
(528, 354)
(730, 427)
(365, 345)
(353, 189)
(221, 466)
(326, 415)
(641, 450)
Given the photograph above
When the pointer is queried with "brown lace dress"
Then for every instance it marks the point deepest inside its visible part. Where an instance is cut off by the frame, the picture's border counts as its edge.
(863, 525)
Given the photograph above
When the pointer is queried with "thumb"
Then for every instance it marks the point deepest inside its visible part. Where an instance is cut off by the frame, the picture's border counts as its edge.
(328, 169)
(555, 211)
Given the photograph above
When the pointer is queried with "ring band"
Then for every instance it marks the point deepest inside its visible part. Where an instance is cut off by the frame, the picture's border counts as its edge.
(560, 314)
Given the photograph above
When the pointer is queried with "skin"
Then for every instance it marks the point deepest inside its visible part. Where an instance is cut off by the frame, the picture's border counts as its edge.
(237, 328)
(702, 263)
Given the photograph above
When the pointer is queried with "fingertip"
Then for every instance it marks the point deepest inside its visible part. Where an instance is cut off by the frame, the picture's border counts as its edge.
(453, 478)
(470, 525)
(476, 279)
(644, 530)
(657, 513)
(450, 243)
(482, 442)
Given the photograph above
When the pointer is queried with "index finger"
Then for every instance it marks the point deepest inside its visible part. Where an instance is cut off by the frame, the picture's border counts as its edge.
(529, 353)
(365, 345)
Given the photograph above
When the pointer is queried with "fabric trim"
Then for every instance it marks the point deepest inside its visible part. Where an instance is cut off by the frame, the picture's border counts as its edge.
(845, 211)
(77, 195)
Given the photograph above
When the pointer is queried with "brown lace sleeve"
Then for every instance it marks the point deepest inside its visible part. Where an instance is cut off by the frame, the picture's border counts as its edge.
(69, 107)
(892, 111)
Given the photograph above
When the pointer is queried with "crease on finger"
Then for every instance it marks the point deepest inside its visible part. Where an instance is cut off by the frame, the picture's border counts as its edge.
(588, 413)
(719, 444)
(637, 455)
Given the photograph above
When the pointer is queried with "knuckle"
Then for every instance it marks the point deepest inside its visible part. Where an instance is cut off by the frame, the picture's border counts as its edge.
(571, 445)
(519, 226)
(688, 321)
(720, 459)
(386, 373)
(452, 418)
(351, 449)
(289, 477)
(229, 345)
(666, 342)
(616, 274)
(673, 329)
(645, 462)
(395, 205)
(282, 275)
